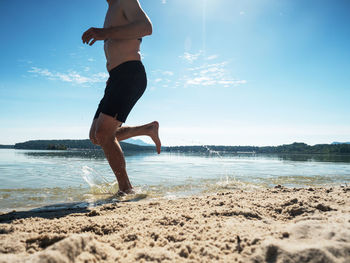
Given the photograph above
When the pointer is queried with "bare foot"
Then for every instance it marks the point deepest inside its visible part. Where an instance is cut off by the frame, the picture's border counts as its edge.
(125, 192)
(154, 134)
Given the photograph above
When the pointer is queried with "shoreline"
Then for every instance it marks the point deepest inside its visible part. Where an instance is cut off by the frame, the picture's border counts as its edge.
(92, 200)
(261, 225)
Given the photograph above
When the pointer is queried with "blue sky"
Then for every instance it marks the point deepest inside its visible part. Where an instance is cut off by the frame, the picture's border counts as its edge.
(257, 72)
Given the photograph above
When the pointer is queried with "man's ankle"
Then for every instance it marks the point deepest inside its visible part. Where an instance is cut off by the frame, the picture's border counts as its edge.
(122, 191)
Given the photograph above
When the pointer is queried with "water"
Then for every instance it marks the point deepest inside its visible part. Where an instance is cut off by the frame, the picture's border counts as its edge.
(59, 179)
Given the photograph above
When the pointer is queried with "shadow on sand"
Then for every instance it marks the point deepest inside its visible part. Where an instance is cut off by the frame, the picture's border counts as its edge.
(65, 209)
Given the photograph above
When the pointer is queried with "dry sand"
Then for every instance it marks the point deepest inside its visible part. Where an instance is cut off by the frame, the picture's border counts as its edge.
(266, 225)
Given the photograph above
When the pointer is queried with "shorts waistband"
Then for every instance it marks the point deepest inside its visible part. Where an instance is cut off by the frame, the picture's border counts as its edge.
(125, 66)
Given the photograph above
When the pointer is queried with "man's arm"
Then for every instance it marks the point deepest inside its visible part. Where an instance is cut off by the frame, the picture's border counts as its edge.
(139, 26)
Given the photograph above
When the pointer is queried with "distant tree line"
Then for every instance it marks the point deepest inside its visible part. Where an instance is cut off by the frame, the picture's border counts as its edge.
(52, 144)
(73, 145)
(56, 147)
(293, 148)
(6, 146)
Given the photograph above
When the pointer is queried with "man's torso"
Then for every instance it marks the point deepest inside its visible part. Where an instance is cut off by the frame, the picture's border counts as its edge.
(119, 51)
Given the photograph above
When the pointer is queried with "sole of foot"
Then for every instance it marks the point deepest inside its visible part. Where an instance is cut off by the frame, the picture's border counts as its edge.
(155, 135)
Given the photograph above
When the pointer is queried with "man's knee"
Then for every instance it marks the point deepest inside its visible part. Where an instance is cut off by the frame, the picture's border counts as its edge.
(93, 139)
(103, 136)
(92, 132)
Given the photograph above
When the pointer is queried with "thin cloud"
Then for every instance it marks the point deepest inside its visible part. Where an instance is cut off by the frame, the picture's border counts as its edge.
(161, 78)
(161, 82)
(199, 71)
(191, 57)
(168, 73)
(215, 74)
(72, 77)
(25, 61)
(163, 72)
(212, 57)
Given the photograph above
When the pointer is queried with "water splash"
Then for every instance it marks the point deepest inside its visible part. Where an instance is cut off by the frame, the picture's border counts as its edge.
(198, 143)
(225, 174)
(230, 183)
(98, 184)
(212, 151)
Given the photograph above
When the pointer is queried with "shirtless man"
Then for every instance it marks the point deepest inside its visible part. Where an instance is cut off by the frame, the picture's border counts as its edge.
(125, 25)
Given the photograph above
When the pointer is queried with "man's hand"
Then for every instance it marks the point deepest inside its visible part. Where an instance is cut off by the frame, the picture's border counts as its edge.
(94, 34)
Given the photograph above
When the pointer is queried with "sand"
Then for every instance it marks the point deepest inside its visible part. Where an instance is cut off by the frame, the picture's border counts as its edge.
(260, 225)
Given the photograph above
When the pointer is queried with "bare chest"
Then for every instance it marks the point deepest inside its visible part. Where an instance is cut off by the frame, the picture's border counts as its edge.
(115, 16)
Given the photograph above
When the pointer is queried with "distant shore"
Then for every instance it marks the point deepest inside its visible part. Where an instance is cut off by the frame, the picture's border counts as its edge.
(258, 225)
(6, 146)
(294, 148)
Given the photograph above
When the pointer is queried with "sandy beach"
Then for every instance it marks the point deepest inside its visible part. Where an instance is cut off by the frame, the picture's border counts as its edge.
(260, 225)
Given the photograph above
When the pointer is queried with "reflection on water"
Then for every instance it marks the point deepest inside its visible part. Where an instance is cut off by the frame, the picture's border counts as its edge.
(315, 158)
(38, 178)
(98, 154)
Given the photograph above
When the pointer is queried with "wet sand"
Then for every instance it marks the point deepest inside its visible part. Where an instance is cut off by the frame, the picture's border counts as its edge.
(262, 225)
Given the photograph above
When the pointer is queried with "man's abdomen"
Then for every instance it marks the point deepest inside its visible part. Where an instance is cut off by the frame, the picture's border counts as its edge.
(120, 51)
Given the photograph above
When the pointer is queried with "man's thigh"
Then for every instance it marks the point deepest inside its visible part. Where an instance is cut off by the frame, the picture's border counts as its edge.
(106, 125)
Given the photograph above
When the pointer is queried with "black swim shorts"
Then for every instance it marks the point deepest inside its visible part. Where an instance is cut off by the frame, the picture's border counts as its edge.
(126, 84)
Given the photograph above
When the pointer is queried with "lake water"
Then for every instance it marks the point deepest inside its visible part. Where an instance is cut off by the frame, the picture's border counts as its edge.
(57, 179)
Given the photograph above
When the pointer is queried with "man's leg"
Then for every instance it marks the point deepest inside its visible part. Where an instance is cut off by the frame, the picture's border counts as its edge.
(150, 129)
(105, 131)
(92, 133)
(123, 133)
